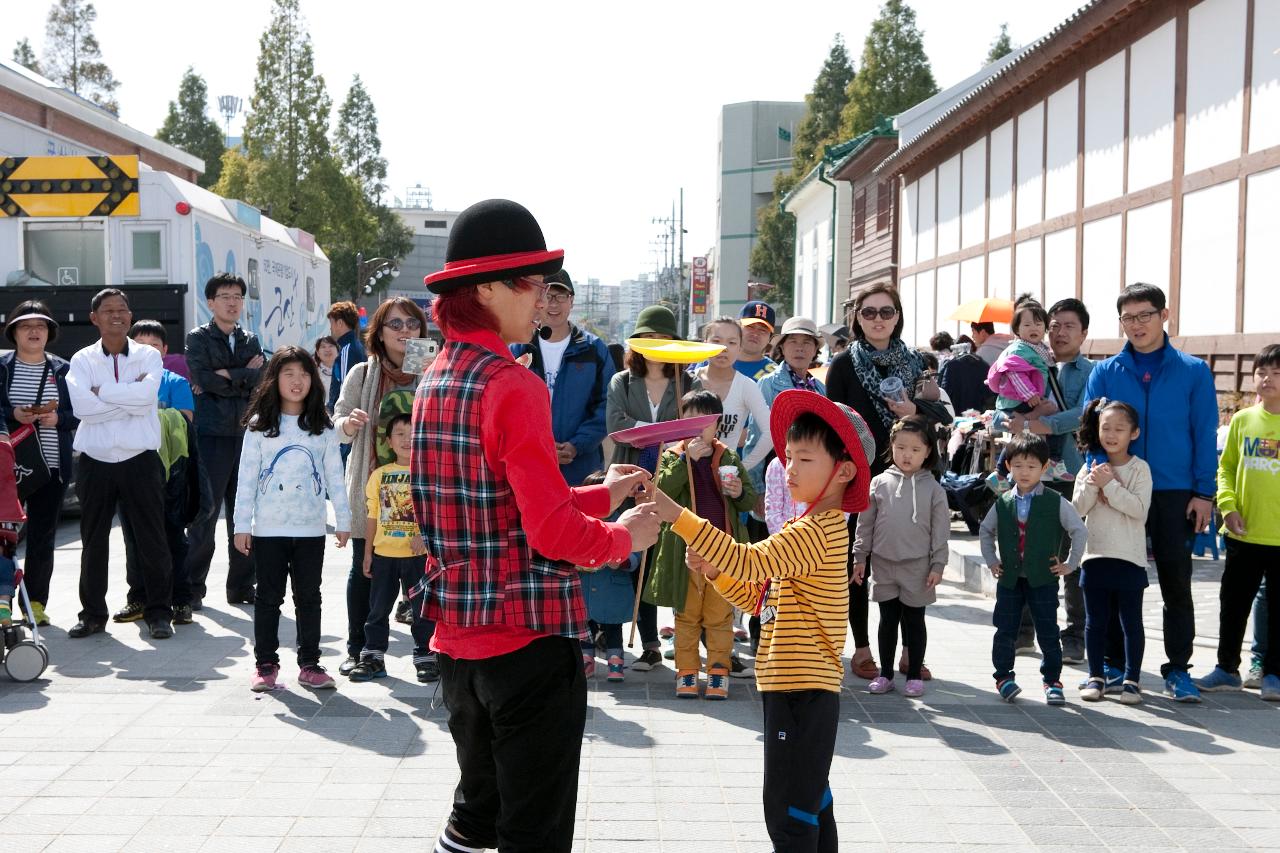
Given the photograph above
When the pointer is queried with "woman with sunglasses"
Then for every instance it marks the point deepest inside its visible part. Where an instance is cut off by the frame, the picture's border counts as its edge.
(876, 357)
(372, 393)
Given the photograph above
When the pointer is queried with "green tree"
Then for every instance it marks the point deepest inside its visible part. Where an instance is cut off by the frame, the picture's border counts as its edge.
(358, 144)
(73, 57)
(895, 72)
(823, 107)
(1001, 46)
(25, 56)
(189, 126)
(773, 255)
(286, 128)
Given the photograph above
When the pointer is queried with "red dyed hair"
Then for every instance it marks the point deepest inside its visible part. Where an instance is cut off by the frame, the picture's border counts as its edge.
(460, 310)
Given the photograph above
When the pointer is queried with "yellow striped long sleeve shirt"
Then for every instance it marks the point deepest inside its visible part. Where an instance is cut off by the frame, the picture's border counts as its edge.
(808, 562)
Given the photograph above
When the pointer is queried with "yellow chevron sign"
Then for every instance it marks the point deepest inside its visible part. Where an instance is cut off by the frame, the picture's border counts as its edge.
(97, 185)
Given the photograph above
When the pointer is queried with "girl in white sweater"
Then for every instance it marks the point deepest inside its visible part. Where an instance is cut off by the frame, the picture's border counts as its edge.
(1114, 497)
(290, 463)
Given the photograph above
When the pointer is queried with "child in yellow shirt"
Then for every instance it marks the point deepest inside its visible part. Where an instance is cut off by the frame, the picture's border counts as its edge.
(796, 579)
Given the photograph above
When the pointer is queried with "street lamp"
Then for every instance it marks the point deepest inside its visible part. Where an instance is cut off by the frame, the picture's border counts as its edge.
(369, 272)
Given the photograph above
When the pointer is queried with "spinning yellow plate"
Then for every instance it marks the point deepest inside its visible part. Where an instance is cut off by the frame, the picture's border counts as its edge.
(674, 352)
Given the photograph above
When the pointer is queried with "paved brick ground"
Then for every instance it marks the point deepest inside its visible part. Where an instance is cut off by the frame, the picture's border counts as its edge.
(161, 746)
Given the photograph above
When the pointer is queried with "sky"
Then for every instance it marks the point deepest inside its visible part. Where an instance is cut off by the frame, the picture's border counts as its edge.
(592, 115)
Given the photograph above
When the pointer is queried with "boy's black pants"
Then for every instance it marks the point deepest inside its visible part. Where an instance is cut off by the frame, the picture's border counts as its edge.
(175, 534)
(1247, 565)
(517, 722)
(799, 740)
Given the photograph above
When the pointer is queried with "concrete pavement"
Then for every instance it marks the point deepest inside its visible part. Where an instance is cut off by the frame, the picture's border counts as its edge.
(126, 742)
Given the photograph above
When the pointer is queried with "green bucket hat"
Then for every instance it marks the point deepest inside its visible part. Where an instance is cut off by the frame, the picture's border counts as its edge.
(657, 320)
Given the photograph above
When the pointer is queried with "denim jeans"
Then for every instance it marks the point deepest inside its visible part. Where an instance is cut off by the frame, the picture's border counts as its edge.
(1043, 602)
(389, 573)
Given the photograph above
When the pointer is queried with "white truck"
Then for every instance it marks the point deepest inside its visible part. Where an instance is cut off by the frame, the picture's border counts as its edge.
(162, 257)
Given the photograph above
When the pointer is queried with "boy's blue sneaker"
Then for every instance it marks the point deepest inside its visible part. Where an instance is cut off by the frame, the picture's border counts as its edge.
(1180, 688)
(1219, 681)
(1008, 689)
(1114, 678)
(1053, 694)
(1270, 688)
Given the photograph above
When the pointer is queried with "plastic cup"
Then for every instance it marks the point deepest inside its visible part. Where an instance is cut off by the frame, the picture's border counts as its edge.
(891, 388)
(728, 475)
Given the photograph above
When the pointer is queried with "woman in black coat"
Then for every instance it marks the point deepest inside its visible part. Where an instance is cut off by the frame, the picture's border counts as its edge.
(31, 381)
(854, 378)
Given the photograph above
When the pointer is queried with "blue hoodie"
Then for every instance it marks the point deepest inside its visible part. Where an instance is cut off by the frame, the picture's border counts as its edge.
(1177, 413)
(578, 407)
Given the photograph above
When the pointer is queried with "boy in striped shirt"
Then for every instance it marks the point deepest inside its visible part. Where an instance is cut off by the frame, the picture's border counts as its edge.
(796, 579)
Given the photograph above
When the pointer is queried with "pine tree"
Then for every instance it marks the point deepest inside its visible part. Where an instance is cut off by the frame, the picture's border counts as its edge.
(773, 255)
(823, 106)
(1001, 47)
(25, 56)
(286, 128)
(73, 57)
(895, 73)
(189, 126)
(358, 144)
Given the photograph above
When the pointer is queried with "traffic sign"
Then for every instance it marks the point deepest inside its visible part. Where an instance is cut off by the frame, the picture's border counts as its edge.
(96, 185)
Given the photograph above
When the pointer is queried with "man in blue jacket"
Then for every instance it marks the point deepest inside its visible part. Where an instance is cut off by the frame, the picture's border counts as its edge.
(1178, 415)
(577, 368)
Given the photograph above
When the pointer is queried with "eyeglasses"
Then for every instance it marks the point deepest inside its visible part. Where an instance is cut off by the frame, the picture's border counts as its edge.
(1137, 319)
(524, 281)
(888, 312)
(229, 297)
(556, 298)
(395, 324)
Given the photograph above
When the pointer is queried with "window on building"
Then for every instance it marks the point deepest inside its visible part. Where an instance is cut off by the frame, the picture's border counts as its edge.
(144, 252)
(860, 218)
(66, 252)
(883, 200)
(434, 223)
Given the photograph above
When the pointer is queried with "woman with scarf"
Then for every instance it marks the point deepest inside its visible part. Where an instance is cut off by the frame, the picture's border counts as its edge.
(372, 393)
(856, 378)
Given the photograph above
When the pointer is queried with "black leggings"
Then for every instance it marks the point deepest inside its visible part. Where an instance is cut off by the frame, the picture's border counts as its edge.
(914, 636)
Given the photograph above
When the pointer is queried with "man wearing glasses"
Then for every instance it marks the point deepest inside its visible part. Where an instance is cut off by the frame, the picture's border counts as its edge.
(577, 368)
(1178, 418)
(225, 363)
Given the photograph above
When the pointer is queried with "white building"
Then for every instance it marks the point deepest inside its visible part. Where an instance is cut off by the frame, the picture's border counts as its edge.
(1138, 141)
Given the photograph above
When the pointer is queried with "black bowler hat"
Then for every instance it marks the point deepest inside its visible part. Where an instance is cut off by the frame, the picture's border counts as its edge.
(493, 240)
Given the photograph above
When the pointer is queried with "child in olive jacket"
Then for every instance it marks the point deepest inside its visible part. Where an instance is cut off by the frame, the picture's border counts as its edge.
(689, 474)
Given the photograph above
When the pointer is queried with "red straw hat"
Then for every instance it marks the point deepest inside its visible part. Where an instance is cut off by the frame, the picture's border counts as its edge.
(847, 423)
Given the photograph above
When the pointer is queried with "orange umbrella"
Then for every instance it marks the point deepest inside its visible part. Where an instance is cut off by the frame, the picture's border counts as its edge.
(985, 310)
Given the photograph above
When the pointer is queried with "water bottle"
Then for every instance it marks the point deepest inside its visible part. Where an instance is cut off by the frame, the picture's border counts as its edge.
(891, 388)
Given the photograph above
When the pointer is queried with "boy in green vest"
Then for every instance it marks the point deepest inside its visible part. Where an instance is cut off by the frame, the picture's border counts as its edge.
(1031, 524)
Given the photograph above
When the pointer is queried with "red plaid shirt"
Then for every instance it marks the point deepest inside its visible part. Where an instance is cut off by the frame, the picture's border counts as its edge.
(503, 531)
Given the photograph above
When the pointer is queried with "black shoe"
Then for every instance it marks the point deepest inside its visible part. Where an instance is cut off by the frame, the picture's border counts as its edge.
(404, 612)
(428, 671)
(245, 596)
(347, 665)
(131, 612)
(368, 669)
(197, 604)
(647, 661)
(182, 614)
(160, 629)
(85, 627)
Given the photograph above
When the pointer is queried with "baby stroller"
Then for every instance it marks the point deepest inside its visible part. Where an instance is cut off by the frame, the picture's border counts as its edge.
(24, 659)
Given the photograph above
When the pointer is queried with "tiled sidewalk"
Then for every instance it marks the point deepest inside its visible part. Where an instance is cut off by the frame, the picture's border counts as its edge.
(161, 746)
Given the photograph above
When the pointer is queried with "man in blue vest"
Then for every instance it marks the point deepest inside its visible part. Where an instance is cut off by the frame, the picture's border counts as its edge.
(1178, 418)
(577, 367)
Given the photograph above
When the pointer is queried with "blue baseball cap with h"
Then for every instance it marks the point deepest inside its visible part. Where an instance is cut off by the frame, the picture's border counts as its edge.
(758, 311)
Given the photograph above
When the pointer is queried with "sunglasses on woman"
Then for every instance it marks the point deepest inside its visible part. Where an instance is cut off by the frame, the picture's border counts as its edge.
(395, 324)
(888, 312)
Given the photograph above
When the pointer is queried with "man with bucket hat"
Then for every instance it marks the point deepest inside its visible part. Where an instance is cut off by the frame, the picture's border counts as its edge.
(503, 532)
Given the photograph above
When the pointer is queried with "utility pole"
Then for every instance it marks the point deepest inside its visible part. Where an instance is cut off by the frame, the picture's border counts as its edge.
(673, 238)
